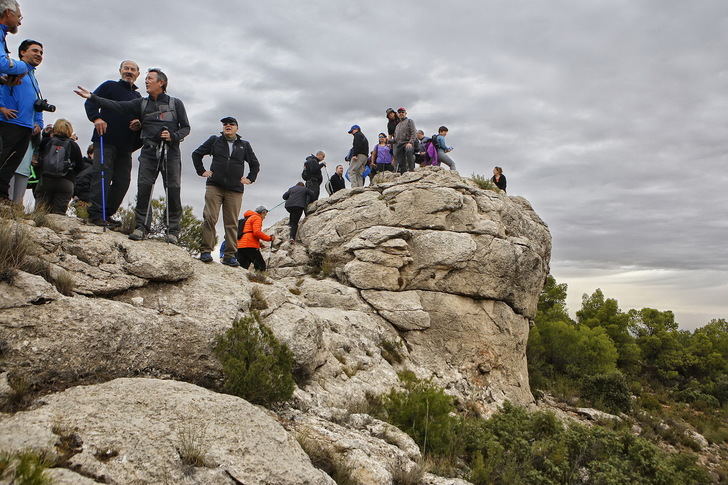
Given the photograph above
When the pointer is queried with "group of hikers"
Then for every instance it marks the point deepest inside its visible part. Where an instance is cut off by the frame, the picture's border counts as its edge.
(124, 122)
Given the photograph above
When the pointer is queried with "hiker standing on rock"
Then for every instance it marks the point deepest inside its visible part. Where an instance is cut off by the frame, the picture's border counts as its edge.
(121, 139)
(404, 142)
(443, 149)
(382, 155)
(297, 198)
(250, 237)
(225, 186)
(312, 173)
(164, 125)
(358, 157)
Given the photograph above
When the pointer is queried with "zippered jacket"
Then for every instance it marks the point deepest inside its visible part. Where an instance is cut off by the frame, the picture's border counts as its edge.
(227, 167)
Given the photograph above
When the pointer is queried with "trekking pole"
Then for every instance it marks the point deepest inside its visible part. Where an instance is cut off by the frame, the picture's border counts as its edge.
(103, 181)
(276, 206)
(270, 251)
(165, 147)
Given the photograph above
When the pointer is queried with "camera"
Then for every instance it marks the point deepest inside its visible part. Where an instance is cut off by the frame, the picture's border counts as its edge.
(42, 105)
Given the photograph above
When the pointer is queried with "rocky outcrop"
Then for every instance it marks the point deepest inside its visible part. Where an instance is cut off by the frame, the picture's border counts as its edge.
(422, 272)
(154, 431)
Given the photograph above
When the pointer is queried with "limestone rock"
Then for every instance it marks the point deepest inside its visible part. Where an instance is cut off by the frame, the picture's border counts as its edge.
(26, 290)
(402, 309)
(136, 431)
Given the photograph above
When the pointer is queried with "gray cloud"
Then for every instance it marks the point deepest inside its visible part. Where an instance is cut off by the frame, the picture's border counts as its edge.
(610, 117)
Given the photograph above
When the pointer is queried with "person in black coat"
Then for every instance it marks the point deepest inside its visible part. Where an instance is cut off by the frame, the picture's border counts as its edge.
(498, 178)
(297, 198)
(82, 189)
(56, 188)
(226, 181)
(337, 179)
(312, 172)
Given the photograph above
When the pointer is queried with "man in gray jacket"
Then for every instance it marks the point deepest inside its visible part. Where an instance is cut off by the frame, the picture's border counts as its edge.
(404, 142)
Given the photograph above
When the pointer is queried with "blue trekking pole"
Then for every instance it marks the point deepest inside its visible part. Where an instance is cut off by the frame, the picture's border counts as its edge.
(103, 182)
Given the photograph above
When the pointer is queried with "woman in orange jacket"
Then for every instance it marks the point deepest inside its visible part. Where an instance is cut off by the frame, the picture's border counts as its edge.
(249, 242)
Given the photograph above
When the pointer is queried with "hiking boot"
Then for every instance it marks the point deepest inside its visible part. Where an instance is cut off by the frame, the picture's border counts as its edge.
(171, 238)
(138, 235)
(231, 261)
(206, 257)
(110, 223)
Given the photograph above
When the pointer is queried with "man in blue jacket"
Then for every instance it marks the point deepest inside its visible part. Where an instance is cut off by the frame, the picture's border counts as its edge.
(226, 181)
(19, 119)
(10, 20)
(121, 139)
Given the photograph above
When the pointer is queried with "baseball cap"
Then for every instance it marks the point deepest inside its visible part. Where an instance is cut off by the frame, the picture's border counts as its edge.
(402, 109)
(229, 119)
(354, 127)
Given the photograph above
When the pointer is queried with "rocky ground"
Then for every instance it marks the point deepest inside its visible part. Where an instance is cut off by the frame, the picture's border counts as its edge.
(422, 272)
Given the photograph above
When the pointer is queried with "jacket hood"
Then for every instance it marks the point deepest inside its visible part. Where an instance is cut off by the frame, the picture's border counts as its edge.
(249, 213)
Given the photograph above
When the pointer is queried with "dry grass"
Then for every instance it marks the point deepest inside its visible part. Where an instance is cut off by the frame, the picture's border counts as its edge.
(259, 277)
(15, 245)
(25, 467)
(325, 458)
(191, 447)
(391, 352)
(20, 396)
(407, 476)
(64, 282)
(257, 300)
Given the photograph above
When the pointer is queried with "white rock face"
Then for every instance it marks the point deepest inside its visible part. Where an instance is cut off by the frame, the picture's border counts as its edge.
(422, 272)
(136, 431)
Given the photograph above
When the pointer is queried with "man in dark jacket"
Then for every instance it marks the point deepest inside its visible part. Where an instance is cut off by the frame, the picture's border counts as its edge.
(337, 179)
(225, 185)
(297, 198)
(164, 125)
(121, 138)
(358, 157)
(312, 173)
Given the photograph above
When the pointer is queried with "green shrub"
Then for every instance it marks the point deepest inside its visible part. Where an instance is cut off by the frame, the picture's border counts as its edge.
(484, 182)
(608, 392)
(423, 411)
(256, 366)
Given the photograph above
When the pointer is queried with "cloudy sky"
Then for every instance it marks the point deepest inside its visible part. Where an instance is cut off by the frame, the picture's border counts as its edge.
(609, 116)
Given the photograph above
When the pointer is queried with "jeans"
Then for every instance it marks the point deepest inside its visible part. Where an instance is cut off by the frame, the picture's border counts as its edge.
(444, 158)
(117, 176)
(405, 157)
(230, 201)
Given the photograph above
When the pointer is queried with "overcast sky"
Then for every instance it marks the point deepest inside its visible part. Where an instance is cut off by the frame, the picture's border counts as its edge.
(609, 116)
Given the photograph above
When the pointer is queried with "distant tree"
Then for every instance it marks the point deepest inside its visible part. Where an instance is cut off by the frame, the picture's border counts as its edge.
(597, 311)
(552, 302)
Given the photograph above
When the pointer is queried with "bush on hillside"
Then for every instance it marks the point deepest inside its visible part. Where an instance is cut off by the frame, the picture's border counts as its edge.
(608, 392)
(256, 366)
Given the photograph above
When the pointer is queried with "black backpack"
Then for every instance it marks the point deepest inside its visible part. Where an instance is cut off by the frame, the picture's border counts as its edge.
(57, 157)
(241, 226)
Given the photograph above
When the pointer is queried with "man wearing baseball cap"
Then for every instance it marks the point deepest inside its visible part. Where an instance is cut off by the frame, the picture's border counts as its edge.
(358, 157)
(225, 184)
(404, 142)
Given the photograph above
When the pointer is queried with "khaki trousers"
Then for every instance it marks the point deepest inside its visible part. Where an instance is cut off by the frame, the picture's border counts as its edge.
(230, 201)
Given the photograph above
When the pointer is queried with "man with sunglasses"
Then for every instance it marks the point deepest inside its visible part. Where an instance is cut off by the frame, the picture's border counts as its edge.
(225, 185)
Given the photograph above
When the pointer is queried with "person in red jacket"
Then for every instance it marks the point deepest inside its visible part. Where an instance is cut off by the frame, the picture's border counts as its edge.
(249, 242)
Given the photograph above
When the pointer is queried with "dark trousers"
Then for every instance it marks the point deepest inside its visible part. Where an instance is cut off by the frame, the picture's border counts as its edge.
(296, 213)
(15, 139)
(54, 193)
(149, 169)
(315, 186)
(384, 167)
(405, 157)
(117, 176)
(251, 255)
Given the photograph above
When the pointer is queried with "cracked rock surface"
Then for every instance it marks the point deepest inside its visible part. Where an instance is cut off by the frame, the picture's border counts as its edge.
(422, 272)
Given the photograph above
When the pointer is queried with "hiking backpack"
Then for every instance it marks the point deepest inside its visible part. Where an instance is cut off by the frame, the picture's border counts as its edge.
(241, 227)
(431, 152)
(57, 158)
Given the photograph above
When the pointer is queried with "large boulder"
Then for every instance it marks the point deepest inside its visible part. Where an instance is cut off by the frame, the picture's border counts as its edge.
(156, 431)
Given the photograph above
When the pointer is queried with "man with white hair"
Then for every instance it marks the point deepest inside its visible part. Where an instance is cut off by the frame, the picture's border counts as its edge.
(121, 139)
(10, 20)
